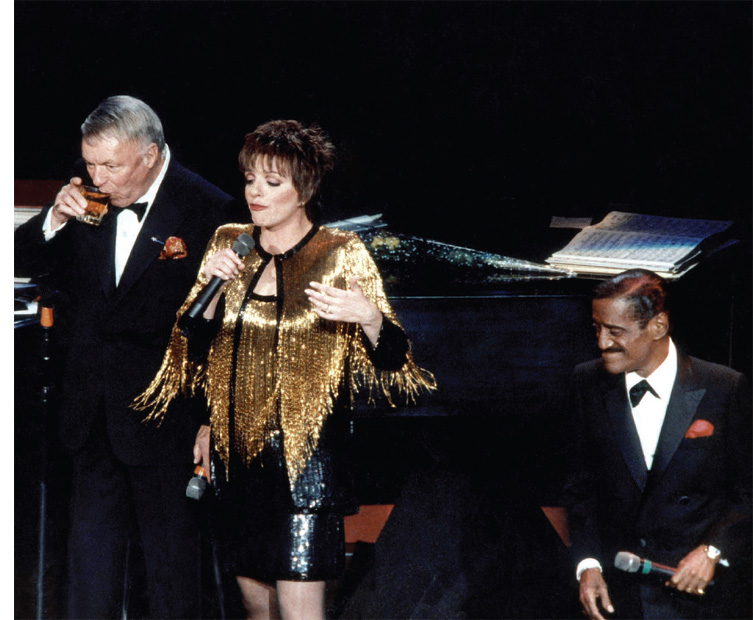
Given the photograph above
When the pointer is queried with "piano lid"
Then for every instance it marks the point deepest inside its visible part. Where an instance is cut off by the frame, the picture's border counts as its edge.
(413, 266)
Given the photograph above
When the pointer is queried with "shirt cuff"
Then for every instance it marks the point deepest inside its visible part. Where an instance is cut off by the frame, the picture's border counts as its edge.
(585, 565)
(722, 560)
(47, 229)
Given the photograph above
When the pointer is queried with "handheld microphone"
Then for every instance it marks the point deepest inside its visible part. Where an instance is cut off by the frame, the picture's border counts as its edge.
(197, 484)
(631, 563)
(242, 246)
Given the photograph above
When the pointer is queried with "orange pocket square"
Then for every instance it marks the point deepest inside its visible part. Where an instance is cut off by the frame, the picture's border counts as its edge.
(700, 428)
(173, 249)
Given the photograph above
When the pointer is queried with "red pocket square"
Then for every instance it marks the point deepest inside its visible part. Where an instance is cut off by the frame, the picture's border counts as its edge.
(700, 428)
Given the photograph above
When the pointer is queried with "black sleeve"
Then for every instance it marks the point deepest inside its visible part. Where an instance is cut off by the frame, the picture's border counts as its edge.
(32, 255)
(199, 341)
(202, 334)
(390, 352)
(579, 492)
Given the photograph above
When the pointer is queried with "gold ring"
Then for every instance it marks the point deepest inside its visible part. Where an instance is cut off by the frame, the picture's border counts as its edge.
(328, 307)
(700, 591)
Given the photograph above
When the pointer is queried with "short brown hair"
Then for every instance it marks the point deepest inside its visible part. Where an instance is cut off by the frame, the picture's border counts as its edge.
(303, 153)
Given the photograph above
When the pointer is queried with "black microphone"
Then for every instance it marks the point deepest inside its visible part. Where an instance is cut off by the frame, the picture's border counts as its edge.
(631, 563)
(242, 246)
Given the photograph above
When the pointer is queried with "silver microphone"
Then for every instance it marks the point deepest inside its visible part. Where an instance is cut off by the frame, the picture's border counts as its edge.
(197, 484)
(631, 563)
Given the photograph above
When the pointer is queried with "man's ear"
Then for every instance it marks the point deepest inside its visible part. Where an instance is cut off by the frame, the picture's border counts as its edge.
(151, 156)
(659, 326)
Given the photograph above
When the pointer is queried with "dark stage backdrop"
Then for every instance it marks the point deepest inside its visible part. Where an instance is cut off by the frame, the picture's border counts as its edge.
(471, 123)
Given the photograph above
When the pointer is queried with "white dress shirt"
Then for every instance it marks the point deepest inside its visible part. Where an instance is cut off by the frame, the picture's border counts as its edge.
(649, 413)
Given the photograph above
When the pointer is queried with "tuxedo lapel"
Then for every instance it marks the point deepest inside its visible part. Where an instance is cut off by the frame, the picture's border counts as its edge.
(624, 428)
(681, 409)
(161, 221)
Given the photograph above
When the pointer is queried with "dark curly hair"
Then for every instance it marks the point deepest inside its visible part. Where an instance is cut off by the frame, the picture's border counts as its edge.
(643, 290)
(303, 153)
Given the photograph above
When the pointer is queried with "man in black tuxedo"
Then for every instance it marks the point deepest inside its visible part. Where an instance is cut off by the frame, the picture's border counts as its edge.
(661, 466)
(120, 285)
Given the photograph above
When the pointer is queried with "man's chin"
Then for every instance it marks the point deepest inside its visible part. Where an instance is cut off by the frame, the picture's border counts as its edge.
(612, 365)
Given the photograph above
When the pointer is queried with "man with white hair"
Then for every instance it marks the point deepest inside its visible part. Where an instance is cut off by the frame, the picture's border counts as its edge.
(120, 285)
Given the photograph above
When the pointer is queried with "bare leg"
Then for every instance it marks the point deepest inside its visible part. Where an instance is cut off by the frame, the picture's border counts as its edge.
(259, 599)
(301, 600)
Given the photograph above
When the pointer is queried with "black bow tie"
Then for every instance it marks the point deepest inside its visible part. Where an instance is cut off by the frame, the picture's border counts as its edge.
(139, 208)
(638, 390)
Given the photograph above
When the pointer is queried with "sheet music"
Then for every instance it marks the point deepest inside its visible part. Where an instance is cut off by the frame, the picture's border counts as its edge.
(632, 240)
(615, 248)
(657, 224)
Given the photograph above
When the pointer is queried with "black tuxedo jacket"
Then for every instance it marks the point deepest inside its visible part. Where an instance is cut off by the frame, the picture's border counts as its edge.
(113, 338)
(698, 491)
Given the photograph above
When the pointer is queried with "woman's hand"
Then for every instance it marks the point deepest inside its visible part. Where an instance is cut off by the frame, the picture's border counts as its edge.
(350, 306)
(201, 448)
(226, 265)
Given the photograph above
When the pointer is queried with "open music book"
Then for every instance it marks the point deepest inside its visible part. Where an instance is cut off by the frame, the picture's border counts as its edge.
(669, 246)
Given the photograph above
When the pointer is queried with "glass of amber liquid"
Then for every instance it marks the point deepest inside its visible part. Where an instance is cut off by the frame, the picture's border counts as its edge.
(96, 205)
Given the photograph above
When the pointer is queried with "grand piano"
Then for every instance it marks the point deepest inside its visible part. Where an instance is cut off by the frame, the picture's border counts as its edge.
(478, 457)
(502, 335)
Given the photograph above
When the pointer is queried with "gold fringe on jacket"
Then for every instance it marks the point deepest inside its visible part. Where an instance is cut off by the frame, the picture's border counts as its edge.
(287, 372)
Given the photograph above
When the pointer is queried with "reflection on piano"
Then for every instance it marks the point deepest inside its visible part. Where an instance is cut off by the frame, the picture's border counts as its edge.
(412, 266)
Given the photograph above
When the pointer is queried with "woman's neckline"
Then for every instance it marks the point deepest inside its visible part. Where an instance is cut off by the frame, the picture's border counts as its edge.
(288, 253)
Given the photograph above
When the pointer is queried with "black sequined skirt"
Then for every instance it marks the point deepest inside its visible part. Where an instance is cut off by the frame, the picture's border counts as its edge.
(263, 538)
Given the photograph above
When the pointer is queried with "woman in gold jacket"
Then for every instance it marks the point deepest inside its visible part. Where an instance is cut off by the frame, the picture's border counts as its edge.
(299, 325)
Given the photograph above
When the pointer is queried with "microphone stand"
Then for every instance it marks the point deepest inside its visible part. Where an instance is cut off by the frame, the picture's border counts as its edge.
(46, 396)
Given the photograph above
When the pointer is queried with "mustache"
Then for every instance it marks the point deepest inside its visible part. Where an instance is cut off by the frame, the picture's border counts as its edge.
(613, 350)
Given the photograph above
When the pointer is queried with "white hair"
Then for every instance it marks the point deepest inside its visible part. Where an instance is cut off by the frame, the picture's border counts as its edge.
(124, 117)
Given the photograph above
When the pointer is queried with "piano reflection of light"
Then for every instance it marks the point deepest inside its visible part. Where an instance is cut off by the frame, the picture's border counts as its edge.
(412, 266)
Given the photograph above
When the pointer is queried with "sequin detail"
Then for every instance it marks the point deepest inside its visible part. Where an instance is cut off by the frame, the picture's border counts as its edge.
(289, 362)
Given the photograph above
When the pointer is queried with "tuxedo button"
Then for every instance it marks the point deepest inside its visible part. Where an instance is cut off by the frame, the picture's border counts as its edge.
(684, 500)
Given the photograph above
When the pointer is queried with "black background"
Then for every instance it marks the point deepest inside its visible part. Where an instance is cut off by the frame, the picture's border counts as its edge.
(467, 122)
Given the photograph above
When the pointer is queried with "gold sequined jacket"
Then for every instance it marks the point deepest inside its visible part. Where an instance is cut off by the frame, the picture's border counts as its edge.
(275, 366)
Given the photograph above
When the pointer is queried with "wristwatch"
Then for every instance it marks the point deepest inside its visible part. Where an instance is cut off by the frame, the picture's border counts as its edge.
(712, 553)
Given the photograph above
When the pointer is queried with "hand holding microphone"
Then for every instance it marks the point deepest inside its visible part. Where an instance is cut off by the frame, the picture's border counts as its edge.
(631, 563)
(197, 484)
(199, 481)
(692, 575)
(242, 247)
